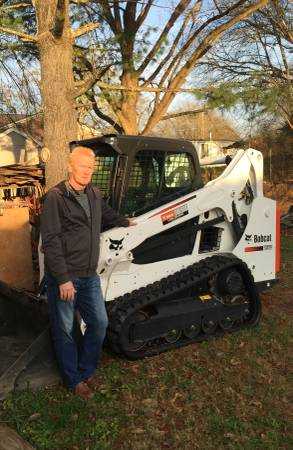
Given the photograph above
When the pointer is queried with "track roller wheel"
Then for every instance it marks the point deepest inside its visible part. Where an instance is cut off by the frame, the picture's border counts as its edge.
(208, 326)
(139, 316)
(227, 323)
(252, 312)
(192, 331)
(173, 336)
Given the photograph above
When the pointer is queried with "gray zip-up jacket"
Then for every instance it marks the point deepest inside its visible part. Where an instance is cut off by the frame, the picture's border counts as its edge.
(70, 239)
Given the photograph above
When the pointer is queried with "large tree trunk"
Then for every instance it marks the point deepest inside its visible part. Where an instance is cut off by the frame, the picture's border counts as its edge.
(57, 86)
(60, 122)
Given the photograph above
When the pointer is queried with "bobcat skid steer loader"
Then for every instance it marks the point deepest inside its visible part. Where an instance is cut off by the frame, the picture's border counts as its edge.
(194, 264)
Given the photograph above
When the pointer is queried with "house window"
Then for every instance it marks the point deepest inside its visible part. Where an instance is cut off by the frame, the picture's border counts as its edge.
(204, 150)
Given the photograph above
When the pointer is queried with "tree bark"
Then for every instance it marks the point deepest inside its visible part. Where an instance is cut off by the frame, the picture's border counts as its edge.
(57, 87)
(128, 114)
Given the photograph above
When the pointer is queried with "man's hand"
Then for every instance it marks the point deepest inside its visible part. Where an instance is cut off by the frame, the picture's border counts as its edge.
(131, 222)
(67, 291)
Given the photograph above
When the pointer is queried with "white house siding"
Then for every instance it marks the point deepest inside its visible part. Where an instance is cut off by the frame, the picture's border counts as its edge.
(209, 149)
(16, 148)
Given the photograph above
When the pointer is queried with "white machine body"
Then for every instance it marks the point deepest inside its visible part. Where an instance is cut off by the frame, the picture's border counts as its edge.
(257, 247)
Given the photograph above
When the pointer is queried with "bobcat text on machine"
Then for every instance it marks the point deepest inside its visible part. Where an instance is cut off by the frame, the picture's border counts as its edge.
(200, 254)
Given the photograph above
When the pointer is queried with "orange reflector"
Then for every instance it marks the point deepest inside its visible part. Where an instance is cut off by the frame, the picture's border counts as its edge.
(278, 240)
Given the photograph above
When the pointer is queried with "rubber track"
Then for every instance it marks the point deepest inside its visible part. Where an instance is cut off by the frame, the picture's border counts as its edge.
(191, 277)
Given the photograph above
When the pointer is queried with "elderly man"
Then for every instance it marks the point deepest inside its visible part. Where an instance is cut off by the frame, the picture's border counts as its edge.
(70, 228)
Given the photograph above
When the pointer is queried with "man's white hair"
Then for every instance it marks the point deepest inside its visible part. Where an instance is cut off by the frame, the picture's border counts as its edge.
(80, 151)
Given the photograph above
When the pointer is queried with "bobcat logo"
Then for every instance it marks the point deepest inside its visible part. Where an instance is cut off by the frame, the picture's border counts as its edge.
(248, 237)
(116, 245)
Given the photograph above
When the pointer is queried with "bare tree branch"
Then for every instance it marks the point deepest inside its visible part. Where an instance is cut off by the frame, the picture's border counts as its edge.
(23, 36)
(173, 46)
(184, 113)
(85, 29)
(144, 12)
(16, 6)
(196, 33)
(182, 5)
(109, 16)
(59, 18)
(176, 59)
(203, 48)
(81, 87)
(117, 15)
(119, 87)
(129, 16)
(102, 115)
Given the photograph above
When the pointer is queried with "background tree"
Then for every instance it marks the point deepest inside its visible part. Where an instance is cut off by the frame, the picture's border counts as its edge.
(157, 61)
(252, 66)
(276, 146)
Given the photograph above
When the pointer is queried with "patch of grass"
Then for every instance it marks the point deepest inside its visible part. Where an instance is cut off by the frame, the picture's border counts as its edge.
(229, 393)
(53, 418)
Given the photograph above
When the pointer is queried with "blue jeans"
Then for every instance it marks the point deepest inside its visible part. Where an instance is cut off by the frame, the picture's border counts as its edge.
(77, 362)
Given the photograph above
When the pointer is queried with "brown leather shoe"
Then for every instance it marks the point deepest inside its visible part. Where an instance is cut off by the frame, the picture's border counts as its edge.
(83, 391)
(91, 381)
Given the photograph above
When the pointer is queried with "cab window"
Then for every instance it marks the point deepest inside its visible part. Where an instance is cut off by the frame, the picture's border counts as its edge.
(103, 174)
(155, 176)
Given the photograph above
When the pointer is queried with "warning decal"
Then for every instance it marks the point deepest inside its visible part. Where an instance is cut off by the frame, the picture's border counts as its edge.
(174, 214)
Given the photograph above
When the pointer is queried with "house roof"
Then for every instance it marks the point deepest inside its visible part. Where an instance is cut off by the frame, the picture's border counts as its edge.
(7, 119)
(18, 131)
(203, 126)
(31, 126)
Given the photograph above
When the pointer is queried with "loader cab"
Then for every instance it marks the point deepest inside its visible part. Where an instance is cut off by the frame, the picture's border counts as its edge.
(137, 173)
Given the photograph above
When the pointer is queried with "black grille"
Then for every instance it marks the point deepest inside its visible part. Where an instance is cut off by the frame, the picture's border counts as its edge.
(210, 239)
(103, 174)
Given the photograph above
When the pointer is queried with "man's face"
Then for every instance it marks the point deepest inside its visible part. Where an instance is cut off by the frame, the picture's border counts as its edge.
(81, 170)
